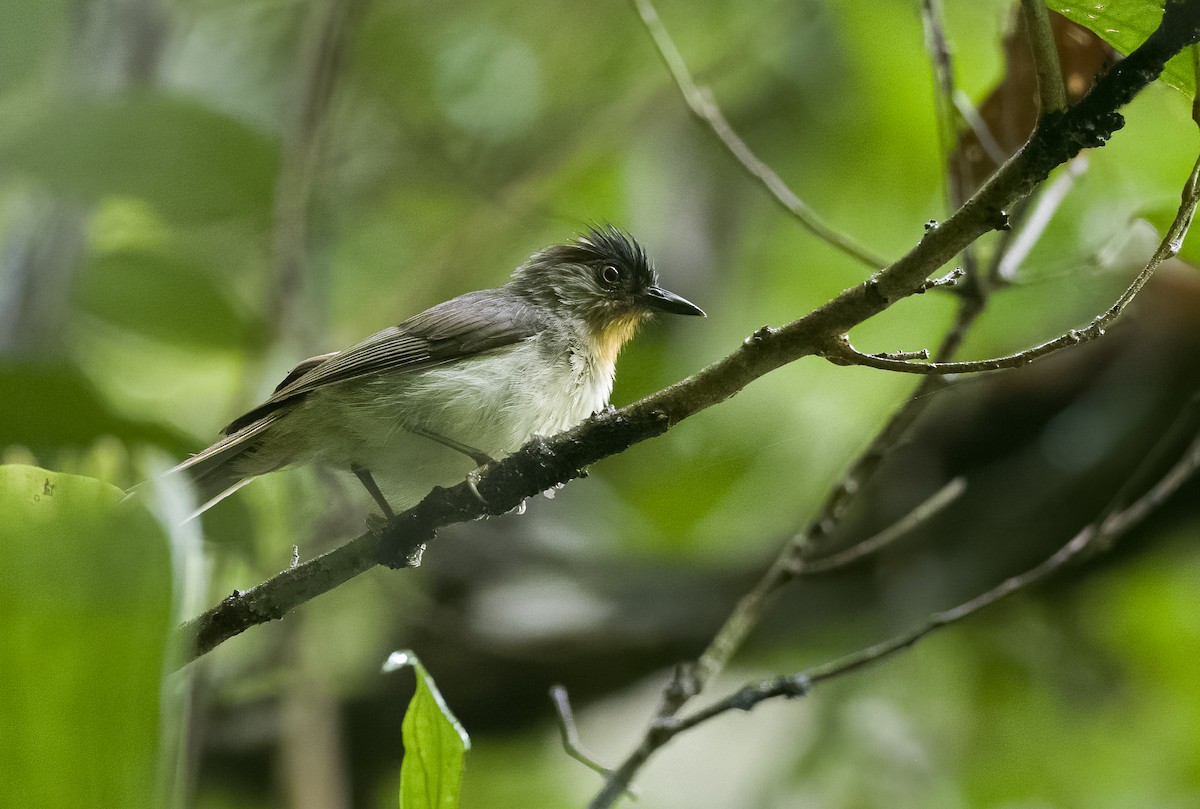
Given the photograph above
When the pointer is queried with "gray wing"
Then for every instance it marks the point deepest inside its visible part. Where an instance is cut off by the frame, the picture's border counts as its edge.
(464, 326)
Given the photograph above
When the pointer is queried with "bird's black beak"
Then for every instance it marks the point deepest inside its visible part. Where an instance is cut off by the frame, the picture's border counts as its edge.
(658, 298)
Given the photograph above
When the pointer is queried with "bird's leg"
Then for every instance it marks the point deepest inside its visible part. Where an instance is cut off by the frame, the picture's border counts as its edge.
(368, 482)
(481, 458)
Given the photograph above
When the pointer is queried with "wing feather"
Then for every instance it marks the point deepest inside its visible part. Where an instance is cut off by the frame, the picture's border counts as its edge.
(464, 326)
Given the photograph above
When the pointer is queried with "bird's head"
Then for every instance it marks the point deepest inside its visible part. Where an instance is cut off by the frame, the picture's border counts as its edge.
(603, 280)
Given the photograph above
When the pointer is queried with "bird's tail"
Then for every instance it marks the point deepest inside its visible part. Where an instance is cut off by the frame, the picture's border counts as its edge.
(225, 467)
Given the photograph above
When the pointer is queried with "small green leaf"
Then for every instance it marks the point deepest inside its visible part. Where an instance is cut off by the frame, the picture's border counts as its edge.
(84, 615)
(434, 744)
(1125, 24)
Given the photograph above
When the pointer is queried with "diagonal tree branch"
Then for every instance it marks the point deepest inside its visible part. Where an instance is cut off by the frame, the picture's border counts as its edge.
(543, 463)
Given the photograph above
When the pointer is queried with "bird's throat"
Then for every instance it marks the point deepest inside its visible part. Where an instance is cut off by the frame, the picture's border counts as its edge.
(606, 342)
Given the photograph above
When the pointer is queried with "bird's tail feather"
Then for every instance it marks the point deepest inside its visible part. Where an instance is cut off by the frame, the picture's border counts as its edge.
(215, 471)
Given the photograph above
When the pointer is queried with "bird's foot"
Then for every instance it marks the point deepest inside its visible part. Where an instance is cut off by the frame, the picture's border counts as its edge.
(473, 478)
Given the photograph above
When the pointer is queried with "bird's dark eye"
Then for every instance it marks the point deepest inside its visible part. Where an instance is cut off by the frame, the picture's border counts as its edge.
(610, 275)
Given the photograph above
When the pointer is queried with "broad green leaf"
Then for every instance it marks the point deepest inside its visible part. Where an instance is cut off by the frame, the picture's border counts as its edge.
(434, 744)
(192, 163)
(1125, 24)
(84, 615)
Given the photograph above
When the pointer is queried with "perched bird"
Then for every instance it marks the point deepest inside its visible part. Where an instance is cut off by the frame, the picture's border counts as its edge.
(425, 402)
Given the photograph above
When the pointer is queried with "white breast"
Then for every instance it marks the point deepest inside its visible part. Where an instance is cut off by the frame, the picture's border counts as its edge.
(492, 403)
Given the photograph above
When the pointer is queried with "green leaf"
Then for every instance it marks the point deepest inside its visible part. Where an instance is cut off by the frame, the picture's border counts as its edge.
(192, 163)
(434, 744)
(84, 616)
(1125, 24)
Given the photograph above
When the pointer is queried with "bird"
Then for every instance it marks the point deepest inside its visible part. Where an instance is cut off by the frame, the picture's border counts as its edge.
(430, 400)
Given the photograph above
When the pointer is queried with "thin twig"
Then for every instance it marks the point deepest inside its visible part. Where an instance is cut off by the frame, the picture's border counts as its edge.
(969, 113)
(861, 550)
(842, 352)
(1099, 534)
(944, 97)
(1051, 90)
(704, 106)
(569, 732)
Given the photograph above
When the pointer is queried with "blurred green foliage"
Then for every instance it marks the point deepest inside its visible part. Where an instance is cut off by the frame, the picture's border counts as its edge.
(159, 159)
(84, 613)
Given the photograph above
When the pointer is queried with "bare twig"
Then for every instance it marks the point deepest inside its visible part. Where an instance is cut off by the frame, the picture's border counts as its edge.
(703, 106)
(842, 352)
(1099, 534)
(569, 733)
(750, 608)
(944, 97)
(1051, 90)
(968, 112)
(872, 545)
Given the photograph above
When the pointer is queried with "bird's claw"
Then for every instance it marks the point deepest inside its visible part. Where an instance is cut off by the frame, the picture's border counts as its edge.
(473, 478)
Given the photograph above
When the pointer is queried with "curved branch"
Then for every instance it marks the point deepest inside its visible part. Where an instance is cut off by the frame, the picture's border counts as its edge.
(842, 352)
(543, 463)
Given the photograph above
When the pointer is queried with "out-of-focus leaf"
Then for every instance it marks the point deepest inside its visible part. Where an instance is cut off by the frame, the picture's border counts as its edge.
(164, 298)
(28, 28)
(53, 406)
(84, 617)
(434, 744)
(1125, 24)
(192, 163)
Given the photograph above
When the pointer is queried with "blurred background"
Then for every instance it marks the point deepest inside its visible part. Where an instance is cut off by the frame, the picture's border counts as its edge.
(196, 195)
